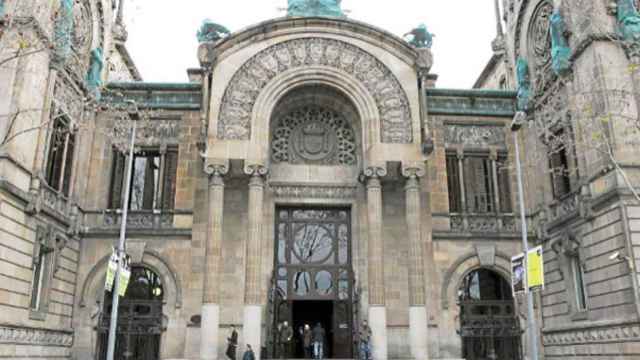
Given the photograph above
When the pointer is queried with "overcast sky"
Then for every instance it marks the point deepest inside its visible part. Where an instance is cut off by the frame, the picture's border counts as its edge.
(163, 43)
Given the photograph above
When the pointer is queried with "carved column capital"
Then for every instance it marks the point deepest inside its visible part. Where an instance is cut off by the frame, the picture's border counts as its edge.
(372, 174)
(413, 175)
(215, 170)
(257, 174)
(460, 153)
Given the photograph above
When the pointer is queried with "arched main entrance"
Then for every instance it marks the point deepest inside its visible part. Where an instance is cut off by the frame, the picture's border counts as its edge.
(139, 318)
(488, 321)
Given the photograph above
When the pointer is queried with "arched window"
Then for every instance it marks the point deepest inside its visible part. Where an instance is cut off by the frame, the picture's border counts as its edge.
(139, 318)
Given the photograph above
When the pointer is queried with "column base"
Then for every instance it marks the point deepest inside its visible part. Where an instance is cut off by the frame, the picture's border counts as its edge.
(418, 328)
(378, 324)
(252, 328)
(209, 328)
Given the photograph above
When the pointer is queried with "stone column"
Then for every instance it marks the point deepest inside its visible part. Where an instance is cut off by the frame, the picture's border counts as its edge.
(417, 297)
(377, 308)
(211, 295)
(252, 329)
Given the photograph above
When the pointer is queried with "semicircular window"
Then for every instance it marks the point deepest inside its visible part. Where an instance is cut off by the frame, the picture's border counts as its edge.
(313, 135)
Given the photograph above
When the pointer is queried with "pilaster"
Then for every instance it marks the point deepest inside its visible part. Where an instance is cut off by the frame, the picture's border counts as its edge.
(211, 295)
(417, 296)
(377, 309)
(253, 259)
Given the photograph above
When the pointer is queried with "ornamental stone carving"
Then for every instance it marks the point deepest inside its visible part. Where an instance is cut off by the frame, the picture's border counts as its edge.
(313, 135)
(30, 336)
(540, 44)
(302, 191)
(475, 136)
(249, 81)
(81, 39)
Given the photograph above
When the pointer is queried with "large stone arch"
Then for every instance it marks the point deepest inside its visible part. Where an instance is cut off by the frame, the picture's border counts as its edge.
(241, 111)
(464, 265)
(93, 286)
(352, 90)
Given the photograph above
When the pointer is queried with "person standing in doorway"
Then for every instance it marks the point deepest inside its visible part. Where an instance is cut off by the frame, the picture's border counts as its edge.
(307, 336)
(365, 341)
(232, 344)
(248, 354)
(318, 341)
(285, 339)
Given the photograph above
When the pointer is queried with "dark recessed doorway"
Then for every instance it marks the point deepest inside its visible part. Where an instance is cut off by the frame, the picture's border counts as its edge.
(312, 313)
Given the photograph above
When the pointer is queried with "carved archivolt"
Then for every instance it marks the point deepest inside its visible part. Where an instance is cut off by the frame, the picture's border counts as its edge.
(247, 83)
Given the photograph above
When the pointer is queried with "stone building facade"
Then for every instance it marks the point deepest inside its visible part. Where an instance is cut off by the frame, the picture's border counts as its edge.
(310, 171)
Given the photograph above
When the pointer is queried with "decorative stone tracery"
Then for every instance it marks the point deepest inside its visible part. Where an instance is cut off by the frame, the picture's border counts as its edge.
(245, 87)
(315, 135)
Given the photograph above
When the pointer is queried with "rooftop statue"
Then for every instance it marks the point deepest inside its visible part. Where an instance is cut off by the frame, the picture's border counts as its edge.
(94, 75)
(629, 26)
(560, 50)
(524, 85)
(211, 32)
(420, 37)
(309, 8)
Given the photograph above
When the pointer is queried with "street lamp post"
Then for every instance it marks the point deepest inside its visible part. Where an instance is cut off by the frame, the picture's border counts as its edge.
(120, 251)
(518, 120)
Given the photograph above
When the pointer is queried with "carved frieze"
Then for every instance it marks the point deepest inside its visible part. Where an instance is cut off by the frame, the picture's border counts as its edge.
(313, 135)
(249, 81)
(475, 136)
(617, 334)
(29, 336)
(300, 191)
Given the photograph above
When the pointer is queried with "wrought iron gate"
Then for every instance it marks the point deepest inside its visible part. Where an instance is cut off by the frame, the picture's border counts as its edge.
(139, 319)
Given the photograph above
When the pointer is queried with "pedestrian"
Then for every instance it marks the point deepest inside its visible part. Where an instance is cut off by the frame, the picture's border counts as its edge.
(365, 341)
(248, 354)
(284, 339)
(318, 341)
(232, 344)
(307, 336)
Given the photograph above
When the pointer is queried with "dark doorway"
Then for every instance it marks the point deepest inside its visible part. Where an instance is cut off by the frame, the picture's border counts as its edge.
(312, 313)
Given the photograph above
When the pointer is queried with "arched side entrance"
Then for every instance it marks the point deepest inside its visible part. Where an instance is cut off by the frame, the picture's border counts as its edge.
(488, 321)
(140, 318)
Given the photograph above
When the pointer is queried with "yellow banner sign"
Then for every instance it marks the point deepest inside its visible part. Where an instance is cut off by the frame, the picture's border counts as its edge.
(535, 269)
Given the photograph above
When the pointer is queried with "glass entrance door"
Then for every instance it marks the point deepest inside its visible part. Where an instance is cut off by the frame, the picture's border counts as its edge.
(313, 278)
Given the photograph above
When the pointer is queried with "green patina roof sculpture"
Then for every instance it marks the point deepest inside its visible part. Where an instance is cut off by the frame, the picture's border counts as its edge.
(63, 32)
(211, 32)
(629, 26)
(524, 85)
(94, 74)
(420, 37)
(560, 50)
(309, 8)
